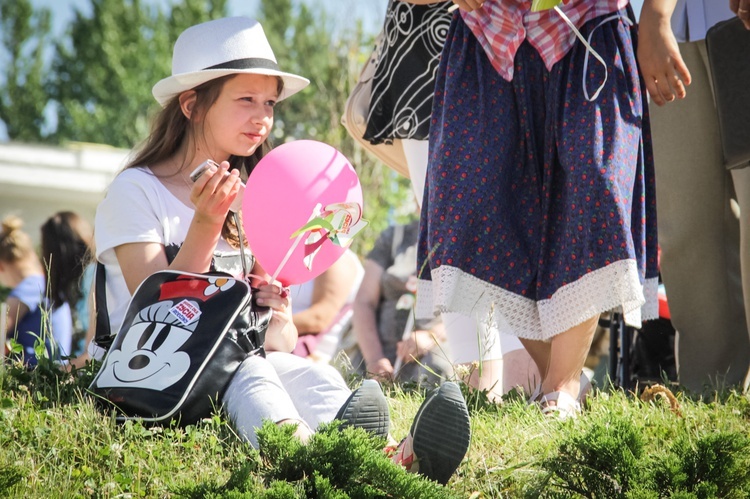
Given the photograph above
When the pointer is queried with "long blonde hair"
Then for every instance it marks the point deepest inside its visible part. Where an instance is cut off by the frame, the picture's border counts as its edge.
(171, 128)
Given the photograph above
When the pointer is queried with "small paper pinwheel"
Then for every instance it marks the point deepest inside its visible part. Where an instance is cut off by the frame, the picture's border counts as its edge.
(337, 222)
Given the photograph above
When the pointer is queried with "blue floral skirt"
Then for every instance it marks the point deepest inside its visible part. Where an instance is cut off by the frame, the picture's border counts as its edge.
(539, 208)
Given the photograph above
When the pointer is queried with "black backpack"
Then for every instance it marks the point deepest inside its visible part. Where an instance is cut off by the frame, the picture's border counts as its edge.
(183, 337)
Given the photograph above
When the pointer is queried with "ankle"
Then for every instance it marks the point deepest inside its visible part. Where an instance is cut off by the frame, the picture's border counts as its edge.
(559, 405)
(571, 387)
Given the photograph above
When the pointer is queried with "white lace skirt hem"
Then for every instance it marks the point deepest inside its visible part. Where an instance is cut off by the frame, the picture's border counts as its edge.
(616, 287)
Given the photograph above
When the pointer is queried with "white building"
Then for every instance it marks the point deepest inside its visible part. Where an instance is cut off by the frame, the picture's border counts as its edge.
(39, 180)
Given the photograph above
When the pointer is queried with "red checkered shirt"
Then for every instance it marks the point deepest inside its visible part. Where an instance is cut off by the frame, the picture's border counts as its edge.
(502, 25)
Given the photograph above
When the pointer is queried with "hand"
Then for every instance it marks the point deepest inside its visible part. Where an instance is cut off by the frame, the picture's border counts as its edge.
(414, 347)
(214, 191)
(276, 297)
(380, 369)
(742, 9)
(469, 5)
(661, 64)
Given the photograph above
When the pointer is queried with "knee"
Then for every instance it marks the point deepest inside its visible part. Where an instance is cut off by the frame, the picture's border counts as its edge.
(323, 373)
(253, 368)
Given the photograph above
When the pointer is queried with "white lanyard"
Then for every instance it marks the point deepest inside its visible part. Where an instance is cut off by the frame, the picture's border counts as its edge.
(590, 50)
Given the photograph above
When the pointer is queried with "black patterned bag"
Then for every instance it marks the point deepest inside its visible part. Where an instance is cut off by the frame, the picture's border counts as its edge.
(183, 337)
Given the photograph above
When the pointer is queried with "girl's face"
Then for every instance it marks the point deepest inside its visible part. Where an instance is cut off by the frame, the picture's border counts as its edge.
(241, 118)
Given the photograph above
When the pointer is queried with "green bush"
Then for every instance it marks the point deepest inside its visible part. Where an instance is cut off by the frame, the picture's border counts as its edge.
(56, 442)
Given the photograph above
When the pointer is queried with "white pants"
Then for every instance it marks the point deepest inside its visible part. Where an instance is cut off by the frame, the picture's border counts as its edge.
(283, 386)
(471, 340)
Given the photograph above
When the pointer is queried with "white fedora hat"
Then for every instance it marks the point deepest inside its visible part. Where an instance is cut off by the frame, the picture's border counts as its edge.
(221, 47)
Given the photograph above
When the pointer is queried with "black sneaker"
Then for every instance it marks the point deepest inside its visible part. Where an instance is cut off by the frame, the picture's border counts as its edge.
(367, 408)
(439, 436)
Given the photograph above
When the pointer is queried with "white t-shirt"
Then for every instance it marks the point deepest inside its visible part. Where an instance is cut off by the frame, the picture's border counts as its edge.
(138, 209)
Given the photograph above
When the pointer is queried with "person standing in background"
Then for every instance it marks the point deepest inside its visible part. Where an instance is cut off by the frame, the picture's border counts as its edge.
(401, 105)
(705, 260)
(539, 209)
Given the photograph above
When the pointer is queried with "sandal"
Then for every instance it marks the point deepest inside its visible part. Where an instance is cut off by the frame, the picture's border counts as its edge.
(583, 392)
(565, 405)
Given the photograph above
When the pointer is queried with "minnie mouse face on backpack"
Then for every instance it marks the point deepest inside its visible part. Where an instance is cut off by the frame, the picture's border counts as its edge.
(149, 355)
(181, 340)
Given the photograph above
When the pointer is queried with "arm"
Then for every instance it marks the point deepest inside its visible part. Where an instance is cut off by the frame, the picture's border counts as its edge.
(211, 196)
(742, 9)
(364, 321)
(661, 64)
(330, 292)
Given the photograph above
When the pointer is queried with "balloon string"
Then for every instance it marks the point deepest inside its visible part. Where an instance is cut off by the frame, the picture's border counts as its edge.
(296, 242)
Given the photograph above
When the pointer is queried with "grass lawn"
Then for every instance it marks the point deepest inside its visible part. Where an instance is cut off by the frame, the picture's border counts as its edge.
(56, 443)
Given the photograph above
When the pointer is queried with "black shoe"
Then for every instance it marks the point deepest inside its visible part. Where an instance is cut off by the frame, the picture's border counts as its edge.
(367, 408)
(439, 436)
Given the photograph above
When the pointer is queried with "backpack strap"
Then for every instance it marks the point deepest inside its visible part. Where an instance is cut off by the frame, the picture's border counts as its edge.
(103, 334)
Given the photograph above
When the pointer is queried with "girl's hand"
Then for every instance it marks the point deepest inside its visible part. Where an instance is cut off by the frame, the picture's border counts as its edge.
(214, 192)
(469, 5)
(742, 9)
(274, 296)
(281, 334)
(659, 58)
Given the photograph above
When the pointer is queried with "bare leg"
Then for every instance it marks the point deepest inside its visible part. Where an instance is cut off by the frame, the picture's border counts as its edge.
(540, 353)
(485, 376)
(568, 352)
(519, 370)
(561, 360)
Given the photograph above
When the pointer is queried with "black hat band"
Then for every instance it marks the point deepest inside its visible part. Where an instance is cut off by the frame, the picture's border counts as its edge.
(247, 63)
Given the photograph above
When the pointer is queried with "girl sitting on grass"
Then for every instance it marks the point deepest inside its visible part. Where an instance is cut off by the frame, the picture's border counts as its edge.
(219, 105)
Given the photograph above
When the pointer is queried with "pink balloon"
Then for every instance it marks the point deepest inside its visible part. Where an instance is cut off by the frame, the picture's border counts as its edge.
(280, 196)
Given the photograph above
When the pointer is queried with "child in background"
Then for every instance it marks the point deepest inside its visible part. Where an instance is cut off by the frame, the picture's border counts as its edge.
(323, 307)
(391, 343)
(66, 252)
(30, 317)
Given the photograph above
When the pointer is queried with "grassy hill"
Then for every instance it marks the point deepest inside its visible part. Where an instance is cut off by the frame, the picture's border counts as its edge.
(54, 442)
